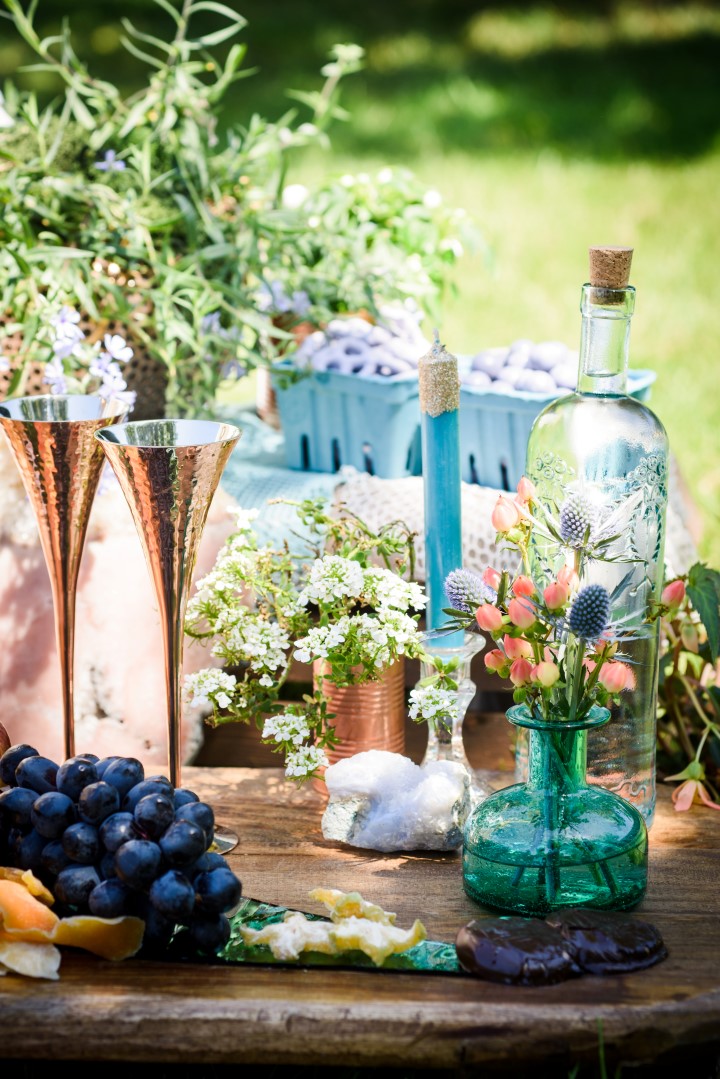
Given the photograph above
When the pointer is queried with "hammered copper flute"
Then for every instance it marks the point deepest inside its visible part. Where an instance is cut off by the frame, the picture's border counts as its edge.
(59, 459)
(169, 471)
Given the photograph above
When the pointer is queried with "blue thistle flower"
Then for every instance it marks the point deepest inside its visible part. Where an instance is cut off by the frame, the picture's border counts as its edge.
(590, 613)
(466, 590)
(578, 519)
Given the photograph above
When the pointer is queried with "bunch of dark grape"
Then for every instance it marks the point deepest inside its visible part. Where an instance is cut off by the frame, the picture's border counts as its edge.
(108, 841)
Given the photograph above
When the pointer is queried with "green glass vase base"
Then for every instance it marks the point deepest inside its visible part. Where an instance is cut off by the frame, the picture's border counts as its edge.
(599, 861)
(555, 842)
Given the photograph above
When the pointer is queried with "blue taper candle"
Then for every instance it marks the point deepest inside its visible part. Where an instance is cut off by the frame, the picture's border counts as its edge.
(440, 433)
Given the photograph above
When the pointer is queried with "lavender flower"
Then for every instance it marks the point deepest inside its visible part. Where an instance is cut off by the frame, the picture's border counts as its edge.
(110, 163)
(55, 376)
(590, 612)
(466, 591)
(117, 347)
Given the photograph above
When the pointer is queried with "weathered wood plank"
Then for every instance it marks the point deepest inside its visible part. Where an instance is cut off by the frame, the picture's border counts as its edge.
(157, 1011)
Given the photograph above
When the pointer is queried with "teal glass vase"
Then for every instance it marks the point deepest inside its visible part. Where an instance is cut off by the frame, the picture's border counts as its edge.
(554, 841)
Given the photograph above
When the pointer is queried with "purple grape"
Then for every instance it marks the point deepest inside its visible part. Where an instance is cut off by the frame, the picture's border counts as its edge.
(209, 932)
(116, 830)
(16, 805)
(54, 858)
(182, 796)
(154, 813)
(218, 891)
(103, 765)
(28, 852)
(148, 786)
(137, 863)
(182, 844)
(52, 813)
(81, 843)
(124, 774)
(199, 813)
(110, 899)
(37, 774)
(74, 775)
(173, 896)
(75, 883)
(11, 759)
(98, 801)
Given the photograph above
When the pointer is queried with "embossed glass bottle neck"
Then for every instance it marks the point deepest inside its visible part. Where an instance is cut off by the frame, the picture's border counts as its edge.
(604, 340)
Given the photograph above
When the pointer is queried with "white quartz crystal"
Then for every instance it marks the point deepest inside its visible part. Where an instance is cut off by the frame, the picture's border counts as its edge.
(384, 801)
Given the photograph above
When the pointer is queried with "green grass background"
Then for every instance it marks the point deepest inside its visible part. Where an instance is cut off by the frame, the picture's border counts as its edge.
(556, 126)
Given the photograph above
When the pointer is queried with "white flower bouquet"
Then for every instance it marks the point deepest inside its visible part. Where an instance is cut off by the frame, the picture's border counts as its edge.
(346, 598)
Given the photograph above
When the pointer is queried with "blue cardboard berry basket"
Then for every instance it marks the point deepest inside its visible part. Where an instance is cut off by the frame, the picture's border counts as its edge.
(330, 419)
(495, 426)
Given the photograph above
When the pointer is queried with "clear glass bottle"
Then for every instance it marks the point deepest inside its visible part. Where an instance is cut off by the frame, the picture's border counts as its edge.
(554, 842)
(602, 457)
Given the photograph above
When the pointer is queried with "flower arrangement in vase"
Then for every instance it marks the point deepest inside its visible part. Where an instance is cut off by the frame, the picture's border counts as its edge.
(338, 600)
(551, 841)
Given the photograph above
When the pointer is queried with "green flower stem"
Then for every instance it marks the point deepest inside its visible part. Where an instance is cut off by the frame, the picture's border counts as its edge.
(576, 680)
(698, 707)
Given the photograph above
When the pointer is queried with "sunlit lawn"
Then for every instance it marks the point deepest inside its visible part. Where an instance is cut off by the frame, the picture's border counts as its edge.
(554, 131)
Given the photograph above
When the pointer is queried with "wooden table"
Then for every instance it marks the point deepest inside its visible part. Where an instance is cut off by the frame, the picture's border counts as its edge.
(143, 1010)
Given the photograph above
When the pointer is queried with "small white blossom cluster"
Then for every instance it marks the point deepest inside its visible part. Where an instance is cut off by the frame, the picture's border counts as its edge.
(304, 762)
(286, 728)
(376, 641)
(333, 578)
(210, 686)
(434, 703)
(262, 645)
(385, 589)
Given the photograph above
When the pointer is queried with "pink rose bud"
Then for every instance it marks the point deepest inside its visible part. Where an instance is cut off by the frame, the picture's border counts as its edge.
(521, 672)
(517, 648)
(546, 674)
(523, 586)
(690, 637)
(614, 677)
(568, 577)
(526, 490)
(556, 596)
(506, 515)
(521, 613)
(495, 660)
(673, 594)
(491, 578)
(489, 618)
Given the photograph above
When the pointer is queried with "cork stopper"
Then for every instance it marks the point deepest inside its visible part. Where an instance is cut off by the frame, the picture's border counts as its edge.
(439, 381)
(610, 266)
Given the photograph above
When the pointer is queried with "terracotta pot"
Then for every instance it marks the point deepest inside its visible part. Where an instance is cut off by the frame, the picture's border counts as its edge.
(367, 716)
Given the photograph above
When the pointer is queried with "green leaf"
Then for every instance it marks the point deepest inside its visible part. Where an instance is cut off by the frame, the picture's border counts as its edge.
(219, 9)
(703, 588)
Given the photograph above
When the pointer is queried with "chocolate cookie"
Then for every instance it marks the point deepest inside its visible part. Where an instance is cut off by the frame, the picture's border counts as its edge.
(608, 942)
(515, 951)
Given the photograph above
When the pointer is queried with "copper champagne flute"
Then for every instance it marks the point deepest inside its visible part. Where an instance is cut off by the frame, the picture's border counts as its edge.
(52, 438)
(169, 470)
